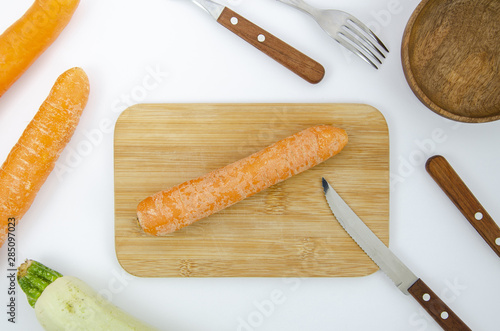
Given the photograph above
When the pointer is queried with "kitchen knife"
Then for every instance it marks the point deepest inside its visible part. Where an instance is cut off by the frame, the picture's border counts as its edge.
(449, 181)
(404, 279)
(299, 63)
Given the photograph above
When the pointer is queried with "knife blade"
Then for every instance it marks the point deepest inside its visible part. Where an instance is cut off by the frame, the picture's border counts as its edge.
(388, 262)
(458, 192)
(283, 53)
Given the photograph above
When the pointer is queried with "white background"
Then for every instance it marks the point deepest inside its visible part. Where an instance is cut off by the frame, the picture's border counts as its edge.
(70, 227)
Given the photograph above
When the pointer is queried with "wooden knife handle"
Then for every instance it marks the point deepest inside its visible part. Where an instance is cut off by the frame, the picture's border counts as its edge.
(441, 313)
(446, 177)
(302, 65)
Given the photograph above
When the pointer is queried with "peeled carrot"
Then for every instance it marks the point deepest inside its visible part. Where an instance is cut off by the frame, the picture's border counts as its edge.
(34, 156)
(24, 41)
(167, 211)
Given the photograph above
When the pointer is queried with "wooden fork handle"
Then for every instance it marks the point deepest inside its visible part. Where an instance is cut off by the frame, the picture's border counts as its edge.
(449, 181)
(299, 63)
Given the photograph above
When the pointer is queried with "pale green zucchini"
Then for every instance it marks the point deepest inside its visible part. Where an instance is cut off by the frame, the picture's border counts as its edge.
(67, 303)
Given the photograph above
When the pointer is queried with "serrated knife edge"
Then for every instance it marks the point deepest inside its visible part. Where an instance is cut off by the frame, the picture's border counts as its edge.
(368, 241)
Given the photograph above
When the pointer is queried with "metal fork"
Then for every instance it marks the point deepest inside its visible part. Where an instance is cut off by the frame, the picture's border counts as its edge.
(347, 30)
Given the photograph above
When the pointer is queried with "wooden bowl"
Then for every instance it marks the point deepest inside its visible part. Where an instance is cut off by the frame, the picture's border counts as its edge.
(451, 58)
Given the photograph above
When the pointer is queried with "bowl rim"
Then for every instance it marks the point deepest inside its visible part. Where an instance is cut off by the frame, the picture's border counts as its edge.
(415, 87)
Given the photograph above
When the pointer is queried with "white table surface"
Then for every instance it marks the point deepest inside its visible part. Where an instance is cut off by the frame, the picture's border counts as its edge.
(70, 226)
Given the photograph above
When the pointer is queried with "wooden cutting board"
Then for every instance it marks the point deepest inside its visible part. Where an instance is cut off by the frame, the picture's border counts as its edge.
(285, 231)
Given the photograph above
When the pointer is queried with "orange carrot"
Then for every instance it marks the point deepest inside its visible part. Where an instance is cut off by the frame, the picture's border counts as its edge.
(23, 42)
(186, 203)
(34, 156)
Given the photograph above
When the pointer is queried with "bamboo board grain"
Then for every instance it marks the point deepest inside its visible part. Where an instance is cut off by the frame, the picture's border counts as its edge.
(451, 58)
(284, 231)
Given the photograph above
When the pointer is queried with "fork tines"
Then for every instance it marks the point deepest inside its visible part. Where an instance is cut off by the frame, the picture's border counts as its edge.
(359, 39)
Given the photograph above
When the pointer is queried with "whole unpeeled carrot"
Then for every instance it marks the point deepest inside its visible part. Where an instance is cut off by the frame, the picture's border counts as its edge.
(31, 160)
(25, 40)
(182, 205)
